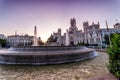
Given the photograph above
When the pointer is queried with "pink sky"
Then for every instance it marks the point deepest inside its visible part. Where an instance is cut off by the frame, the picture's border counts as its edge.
(23, 15)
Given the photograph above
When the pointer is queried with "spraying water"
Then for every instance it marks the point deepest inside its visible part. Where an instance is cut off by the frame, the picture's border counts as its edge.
(67, 38)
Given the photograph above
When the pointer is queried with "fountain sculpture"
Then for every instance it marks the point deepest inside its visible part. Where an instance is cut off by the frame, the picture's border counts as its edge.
(40, 55)
(67, 38)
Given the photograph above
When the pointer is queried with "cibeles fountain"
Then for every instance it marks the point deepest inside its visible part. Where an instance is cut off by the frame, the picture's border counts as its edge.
(41, 55)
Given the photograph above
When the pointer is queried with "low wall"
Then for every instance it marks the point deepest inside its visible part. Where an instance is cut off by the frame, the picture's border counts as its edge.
(45, 55)
(46, 48)
(44, 59)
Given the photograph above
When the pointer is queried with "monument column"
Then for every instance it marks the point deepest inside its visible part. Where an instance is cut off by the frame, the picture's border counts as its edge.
(35, 41)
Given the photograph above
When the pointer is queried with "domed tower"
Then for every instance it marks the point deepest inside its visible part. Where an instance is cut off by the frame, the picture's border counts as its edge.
(59, 31)
(85, 25)
(73, 31)
(73, 22)
(73, 28)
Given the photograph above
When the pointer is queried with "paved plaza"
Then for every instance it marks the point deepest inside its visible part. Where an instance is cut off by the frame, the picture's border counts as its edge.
(69, 71)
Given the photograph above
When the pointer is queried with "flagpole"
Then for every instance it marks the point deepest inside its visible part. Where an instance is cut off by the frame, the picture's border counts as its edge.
(108, 32)
(101, 39)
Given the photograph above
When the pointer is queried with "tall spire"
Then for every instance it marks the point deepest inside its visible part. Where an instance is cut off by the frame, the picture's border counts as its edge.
(73, 22)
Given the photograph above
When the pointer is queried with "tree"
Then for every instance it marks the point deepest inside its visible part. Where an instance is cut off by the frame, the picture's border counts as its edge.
(106, 37)
(40, 42)
(114, 55)
(3, 42)
(51, 39)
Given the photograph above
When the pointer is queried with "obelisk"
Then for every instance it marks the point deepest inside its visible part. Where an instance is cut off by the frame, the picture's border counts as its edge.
(35, 42)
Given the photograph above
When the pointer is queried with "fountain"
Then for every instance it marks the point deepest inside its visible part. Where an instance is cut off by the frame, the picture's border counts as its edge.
(40, 55)
(67, 38)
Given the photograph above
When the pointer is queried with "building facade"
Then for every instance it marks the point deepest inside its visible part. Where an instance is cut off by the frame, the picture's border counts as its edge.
(20, 40)
(2, 36)
(92, 34)
(105, 31)
(75, 36)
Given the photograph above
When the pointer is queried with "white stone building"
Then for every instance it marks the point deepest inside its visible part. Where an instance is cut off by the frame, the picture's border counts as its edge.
(2, 36)
(95, 35)
(20, 40)
(104, 32)
(91, 33)
(75, 36)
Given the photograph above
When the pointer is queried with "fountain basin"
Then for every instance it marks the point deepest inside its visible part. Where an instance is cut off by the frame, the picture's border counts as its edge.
(40, 55)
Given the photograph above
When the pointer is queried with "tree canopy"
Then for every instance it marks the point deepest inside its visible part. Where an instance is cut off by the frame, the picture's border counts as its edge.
(51, 39)
(3, 42)
(114, 55)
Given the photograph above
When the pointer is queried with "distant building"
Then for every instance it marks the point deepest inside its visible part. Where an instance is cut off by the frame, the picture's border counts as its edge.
(2, 36)
(117, 26)
(95, 35)
(75, 36)
(104, 32)
(20, 40)
(91, 33)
